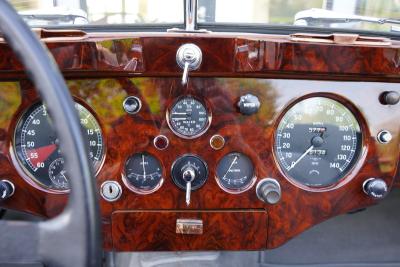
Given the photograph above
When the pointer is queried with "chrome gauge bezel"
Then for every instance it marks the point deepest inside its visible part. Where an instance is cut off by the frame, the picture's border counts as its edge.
(202, 131)
(25, 173)
(252, 180)
(359, 159)
(137, 190)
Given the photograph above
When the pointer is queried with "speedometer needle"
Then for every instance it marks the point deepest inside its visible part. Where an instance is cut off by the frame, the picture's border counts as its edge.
(300, 158)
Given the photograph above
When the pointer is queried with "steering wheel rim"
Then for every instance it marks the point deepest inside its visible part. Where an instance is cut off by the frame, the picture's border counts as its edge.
(77, 228)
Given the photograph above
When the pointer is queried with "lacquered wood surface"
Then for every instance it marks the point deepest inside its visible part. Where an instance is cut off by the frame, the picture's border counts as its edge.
(125, 134)
(251, 55)
(156, 231)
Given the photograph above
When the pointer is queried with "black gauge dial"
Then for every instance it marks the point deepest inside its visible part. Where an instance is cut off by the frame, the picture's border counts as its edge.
(318, 141)
(188, 118)
(143, 173)
(36, 146)
(235, 172)
(189, 162)
(57, 174)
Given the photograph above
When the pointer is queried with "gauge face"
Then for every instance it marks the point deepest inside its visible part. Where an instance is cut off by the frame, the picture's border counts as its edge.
(235, 172)
(317, 142)
(188, 118)
(143, 173)
(36, 146)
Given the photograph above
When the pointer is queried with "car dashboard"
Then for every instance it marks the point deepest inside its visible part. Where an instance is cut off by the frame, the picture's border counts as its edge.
(267, 136)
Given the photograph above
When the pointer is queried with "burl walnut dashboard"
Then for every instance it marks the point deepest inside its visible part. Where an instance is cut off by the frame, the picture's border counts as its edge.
(267, 137)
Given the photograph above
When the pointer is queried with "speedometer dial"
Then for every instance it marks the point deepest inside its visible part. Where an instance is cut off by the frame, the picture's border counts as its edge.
(36, 146)
(318, 141)
(188, 118)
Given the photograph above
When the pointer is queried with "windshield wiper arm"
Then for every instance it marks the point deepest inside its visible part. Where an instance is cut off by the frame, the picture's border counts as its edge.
(317, 16)
(55, 15)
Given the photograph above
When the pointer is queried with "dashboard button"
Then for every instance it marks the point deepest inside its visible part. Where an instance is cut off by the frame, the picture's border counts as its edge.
(384, 137)
(390, 98)
(249, 104)
(7, 189)
(375, 188)
(132, 105)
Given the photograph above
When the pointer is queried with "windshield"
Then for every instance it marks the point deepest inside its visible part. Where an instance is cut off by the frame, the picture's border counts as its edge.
(354, 14)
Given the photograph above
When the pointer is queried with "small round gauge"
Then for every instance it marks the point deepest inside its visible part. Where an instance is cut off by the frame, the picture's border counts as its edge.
(57, 174)
(188, 118)
(235, 172)
(317, 142)
(36, 146)
(143, 173)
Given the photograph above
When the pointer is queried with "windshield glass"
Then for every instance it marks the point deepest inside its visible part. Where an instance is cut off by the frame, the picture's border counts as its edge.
(99, 12)
(376, 15)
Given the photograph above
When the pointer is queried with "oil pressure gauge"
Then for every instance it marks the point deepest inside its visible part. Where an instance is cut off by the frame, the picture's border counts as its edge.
(235, 172)
(143, 173)
(188, 118)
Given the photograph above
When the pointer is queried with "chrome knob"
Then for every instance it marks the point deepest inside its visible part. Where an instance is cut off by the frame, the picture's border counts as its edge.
(384, 137)
(390, 98)
(189, 58)
(269, 191)
(7, 189)
(375, 188)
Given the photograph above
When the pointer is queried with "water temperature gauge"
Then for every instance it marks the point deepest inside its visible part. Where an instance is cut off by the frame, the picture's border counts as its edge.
(143, 173)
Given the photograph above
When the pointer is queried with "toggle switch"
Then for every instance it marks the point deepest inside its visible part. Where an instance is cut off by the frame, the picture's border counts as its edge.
(189, 173)
(189, 58)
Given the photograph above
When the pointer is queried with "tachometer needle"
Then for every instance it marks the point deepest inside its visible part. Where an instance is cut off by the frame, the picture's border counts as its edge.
(300, 158)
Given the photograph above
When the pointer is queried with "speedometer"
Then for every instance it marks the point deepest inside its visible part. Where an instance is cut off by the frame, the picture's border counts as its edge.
(188, 118)
(37, 151)
(318, 141)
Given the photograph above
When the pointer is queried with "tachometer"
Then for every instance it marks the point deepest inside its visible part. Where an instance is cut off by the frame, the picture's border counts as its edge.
(36, 146)
(188, 118)
(318, 141)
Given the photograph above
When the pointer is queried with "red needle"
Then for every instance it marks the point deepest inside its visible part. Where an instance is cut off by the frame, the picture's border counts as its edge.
(42, 153)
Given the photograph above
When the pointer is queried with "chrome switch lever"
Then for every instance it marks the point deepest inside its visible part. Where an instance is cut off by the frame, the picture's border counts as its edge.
(189, 58)
(188, 175)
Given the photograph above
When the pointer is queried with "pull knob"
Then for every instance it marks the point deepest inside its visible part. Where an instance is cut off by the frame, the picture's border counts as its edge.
(189, 58)
(269, 191)
(7, 189)
(390, 98)
(375, 187)
(188, 175)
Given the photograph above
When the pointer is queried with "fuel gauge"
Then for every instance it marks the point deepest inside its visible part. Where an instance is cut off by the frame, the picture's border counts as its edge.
(235, 172)
(143, 173)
